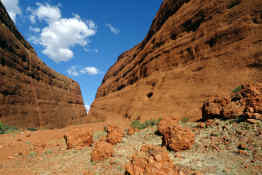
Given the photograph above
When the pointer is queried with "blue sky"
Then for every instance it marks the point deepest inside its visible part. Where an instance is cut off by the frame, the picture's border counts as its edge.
(82, 39)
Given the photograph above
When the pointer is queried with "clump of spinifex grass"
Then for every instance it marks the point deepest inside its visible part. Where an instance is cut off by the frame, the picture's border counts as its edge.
(5, 129)
(148, 123)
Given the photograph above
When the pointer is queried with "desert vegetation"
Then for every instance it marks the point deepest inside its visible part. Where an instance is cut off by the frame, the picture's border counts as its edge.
(5, 129)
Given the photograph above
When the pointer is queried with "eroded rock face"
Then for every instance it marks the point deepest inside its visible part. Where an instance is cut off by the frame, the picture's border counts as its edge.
(32, 94)
(175, 137)
(247, 102)
(194, 50)
(151, 160)
(79, 137)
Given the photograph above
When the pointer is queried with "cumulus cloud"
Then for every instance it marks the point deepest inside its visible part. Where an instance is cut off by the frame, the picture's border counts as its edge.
(89, 70)
(61, 34)
(45, 12)
(75, 71)
(113, 29)
(12, 7)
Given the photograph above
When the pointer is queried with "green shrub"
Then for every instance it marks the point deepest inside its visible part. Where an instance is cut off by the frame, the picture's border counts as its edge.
(5, 129)
(2, 128)
(233, 3)
(137, 124)
(237, 89)
(148, 123)
(185, 119)
(32, 129)
(48, 152)
(32, 154)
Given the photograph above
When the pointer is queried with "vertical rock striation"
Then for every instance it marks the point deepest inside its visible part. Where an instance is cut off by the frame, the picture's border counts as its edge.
(32, 94)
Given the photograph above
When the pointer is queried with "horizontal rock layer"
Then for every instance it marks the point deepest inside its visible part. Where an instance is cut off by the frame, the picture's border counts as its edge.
(31, 93)
(194, 49)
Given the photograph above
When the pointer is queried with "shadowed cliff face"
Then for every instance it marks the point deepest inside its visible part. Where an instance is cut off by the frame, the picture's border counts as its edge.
(32, 94)
(194, 49)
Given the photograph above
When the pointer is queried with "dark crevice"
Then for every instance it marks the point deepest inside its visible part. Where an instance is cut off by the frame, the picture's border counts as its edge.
(194, 23)
(173, 36)
(256, 65)
(158, 44)
(143, 72)
(4, 45)
(2, 61)
(190, 53)
(257, 18)
(227, 36)
(10, 91)
(150, 94)
(198, 69)
(121, 87)
(233, 3)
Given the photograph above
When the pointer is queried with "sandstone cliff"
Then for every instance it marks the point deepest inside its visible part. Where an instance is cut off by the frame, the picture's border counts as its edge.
(32, 94)
(194, 49)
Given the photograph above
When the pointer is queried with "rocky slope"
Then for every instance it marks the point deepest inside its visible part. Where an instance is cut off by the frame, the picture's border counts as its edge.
(194, 49)
(32, 94)
(221, 147)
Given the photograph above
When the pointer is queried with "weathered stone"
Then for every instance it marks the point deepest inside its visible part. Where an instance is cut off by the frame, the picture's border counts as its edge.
(151, 160)
(164, 123)
(31, 93)
(176, 137)
(131, 131)
(101, 151)
(242, 146)
(244, 103)
(193, 50)
(79, 137)
(258, 116)
(114, 134)
(252, 121)
(232, 110)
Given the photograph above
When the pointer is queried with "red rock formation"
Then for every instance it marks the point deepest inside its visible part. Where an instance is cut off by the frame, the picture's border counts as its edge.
(151, 160)
(132, 131)
(114, 134)
(247, 102)
(79, 137)
(101, 151)
(175, 137)
(194, 49)
(32, 94)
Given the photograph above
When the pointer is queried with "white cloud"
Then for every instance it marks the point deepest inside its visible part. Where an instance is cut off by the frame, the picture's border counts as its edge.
(91, 24)
(90, 70)
(75, 71)
(61, 34)
(34, 29)
(113, 29)
(87, 108)
(45, 12)
(96, 51)
(87, 50)
(12, 7)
